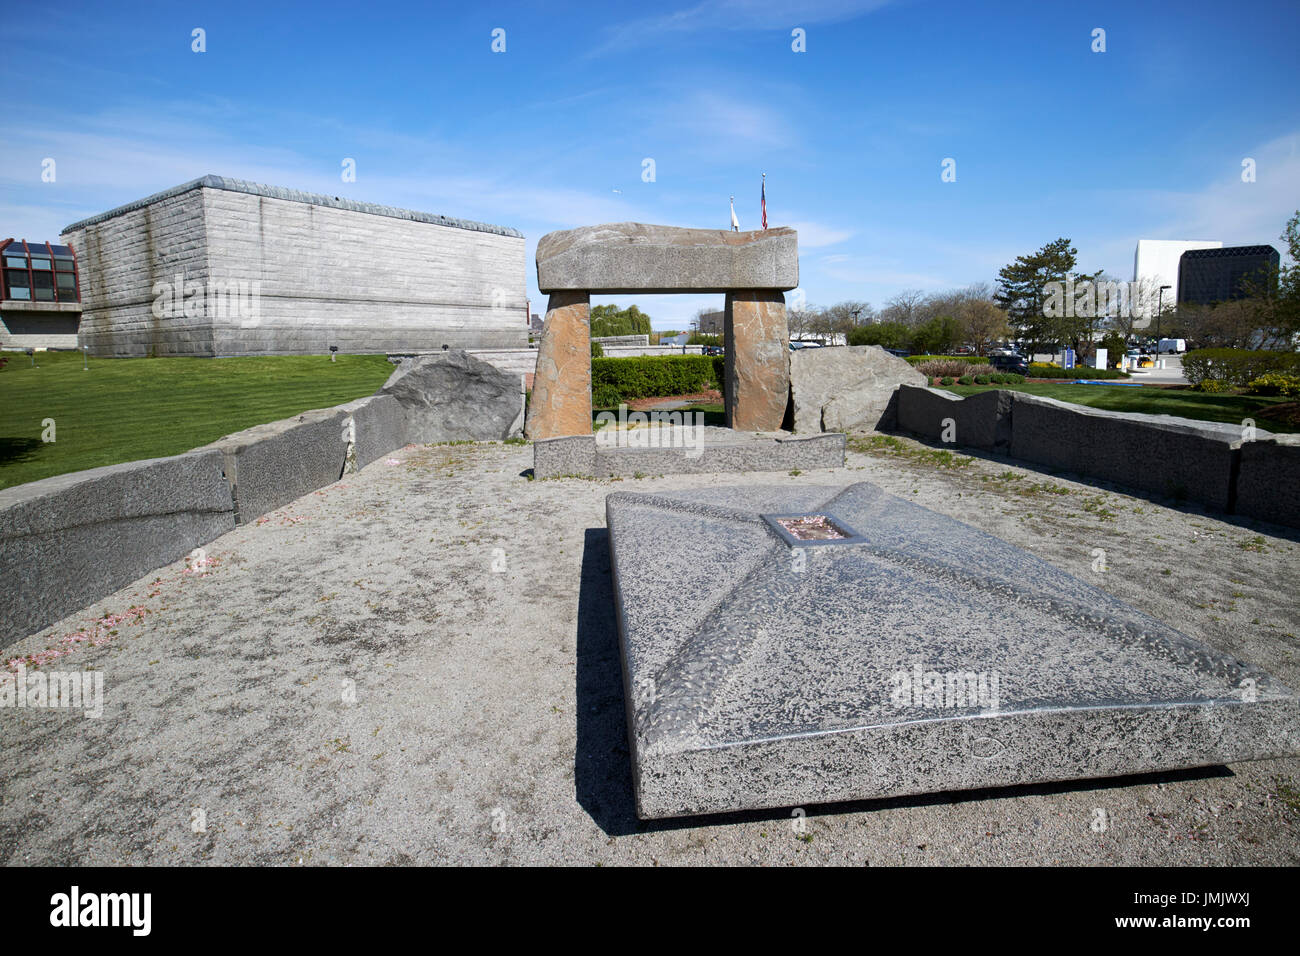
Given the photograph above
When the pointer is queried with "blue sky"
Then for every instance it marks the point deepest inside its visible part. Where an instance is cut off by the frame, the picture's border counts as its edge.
(1145, 140)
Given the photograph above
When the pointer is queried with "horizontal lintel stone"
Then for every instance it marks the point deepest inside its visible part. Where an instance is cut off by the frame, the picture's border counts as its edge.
(625, 257)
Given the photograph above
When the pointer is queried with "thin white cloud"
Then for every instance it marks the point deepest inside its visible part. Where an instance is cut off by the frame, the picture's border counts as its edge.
(731, 15)
(1225, 209)
(814, 235)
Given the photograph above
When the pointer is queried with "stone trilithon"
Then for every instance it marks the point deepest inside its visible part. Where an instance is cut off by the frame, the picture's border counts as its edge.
(753, 269)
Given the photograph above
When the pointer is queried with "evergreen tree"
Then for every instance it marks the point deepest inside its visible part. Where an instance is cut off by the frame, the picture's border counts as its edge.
(1022, 294)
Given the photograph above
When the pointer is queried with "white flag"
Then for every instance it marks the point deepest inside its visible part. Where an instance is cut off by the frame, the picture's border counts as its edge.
(735, 223)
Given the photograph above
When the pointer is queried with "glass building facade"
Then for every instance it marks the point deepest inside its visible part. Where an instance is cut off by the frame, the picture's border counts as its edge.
(38, 272)
(1207, 276)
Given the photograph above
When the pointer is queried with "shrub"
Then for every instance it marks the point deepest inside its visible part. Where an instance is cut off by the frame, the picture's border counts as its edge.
(1275, 383)
(939, 367)
(606, 396)
(646, 375)
(597, 350)
(965, 359)
(997, 378)
(966, 380)
(981, 379)
(1013, 378)
(946, 380)
(1213, 386)
(1237, 366)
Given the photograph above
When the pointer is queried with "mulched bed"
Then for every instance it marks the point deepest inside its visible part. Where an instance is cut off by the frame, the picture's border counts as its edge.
(1287, 412)
(710, 397)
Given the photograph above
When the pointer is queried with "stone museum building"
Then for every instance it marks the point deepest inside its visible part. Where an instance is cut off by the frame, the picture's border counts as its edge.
(223, 267)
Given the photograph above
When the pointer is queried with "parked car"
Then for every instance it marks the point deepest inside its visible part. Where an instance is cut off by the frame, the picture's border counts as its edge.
(1010, 362)
(901, 353)
(713, 350)
(1137, 358)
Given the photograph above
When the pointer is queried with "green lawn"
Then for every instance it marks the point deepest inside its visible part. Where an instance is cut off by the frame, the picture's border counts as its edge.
(128, 409)
(1153, 401)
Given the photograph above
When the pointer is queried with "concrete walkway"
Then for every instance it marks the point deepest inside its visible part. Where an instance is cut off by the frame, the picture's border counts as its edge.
(419, 665)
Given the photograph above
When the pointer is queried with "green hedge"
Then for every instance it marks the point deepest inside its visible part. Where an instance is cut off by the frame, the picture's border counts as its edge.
(968, 359)
(1237, 366)
(647, 375)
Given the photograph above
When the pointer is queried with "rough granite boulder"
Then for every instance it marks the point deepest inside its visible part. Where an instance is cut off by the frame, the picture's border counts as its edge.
(622, 257)
(837, 389)
(452, 396)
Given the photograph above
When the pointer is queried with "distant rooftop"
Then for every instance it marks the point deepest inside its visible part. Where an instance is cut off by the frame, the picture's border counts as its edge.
(1229, 252)
(294, 195)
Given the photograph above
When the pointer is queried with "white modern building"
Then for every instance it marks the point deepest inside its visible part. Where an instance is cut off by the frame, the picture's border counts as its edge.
(1156, 261)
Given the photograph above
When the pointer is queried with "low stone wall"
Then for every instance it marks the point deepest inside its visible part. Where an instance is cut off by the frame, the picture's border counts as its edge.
(67, 541)
(270, 465)
(1161, 454)
(1207, 462)
(1268, 481)
(980, 421)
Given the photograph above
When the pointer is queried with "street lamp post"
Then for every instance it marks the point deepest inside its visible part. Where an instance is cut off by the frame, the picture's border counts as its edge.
(1160, 307)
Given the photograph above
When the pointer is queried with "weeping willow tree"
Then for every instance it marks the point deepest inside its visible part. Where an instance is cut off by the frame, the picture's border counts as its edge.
(611, 320)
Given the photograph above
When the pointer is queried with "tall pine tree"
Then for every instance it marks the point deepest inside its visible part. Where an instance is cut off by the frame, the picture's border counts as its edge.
(1021, 293)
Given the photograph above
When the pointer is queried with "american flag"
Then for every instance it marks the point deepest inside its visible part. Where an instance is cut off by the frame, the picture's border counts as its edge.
(764, 194)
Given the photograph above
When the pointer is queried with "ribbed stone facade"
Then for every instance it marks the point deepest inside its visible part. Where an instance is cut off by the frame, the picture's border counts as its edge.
(221, 267)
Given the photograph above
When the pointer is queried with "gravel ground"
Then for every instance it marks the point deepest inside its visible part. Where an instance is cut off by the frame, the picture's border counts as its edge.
(419, 665)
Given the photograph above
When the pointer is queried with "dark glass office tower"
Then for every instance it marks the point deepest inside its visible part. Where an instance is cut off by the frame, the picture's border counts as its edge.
(1206, 276)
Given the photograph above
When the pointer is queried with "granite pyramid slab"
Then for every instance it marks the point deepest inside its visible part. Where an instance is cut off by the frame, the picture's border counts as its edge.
(785, 646)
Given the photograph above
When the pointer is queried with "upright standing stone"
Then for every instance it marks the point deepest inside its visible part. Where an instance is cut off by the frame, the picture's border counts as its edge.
(758, 360)
(561, 402)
